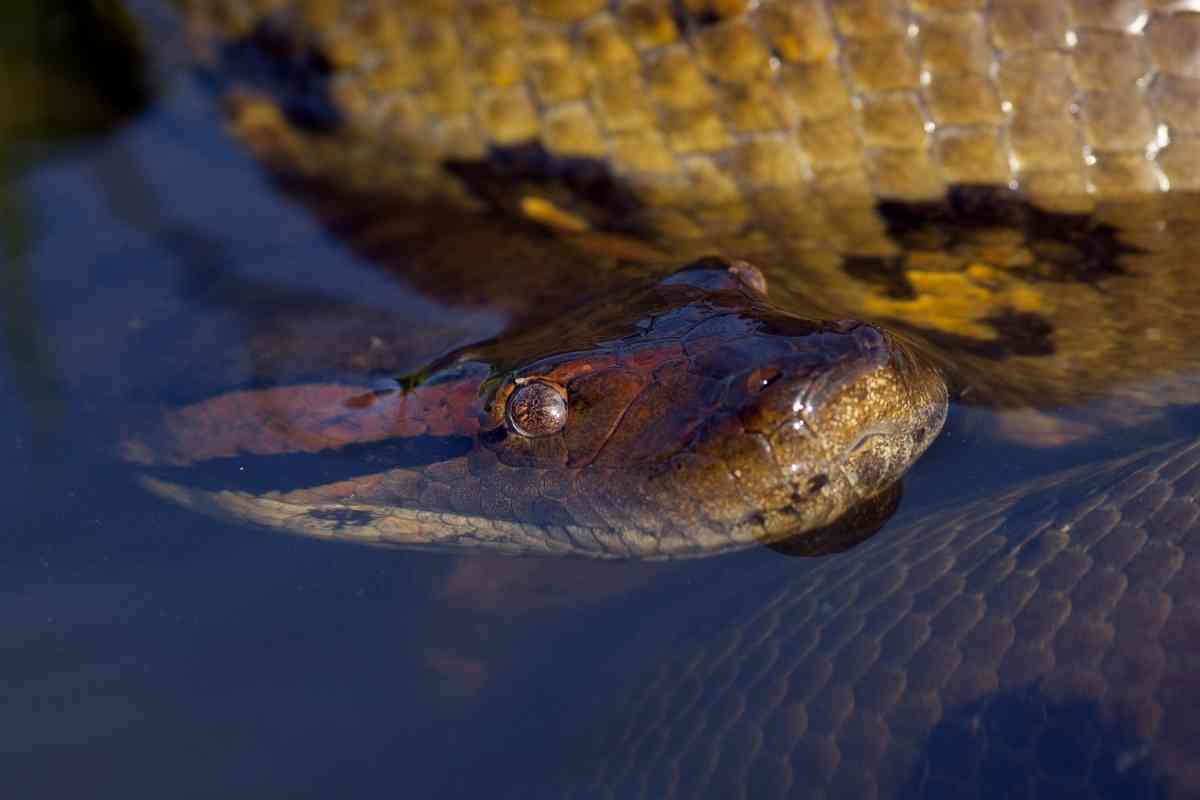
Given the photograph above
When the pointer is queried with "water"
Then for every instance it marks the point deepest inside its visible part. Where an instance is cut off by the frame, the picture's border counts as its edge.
(149, 651)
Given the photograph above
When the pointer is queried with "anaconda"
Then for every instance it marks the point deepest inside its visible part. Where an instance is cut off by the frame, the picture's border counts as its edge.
(1045, 648)
(686, 418)
(1043, 642)
(954, 210)
(961, 170)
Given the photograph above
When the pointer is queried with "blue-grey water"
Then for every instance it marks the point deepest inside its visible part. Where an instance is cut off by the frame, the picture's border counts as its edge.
(146, 651)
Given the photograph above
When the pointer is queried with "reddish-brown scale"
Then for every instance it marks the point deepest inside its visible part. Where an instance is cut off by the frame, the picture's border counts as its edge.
(308, 418)
(650, 356)
(602, 398)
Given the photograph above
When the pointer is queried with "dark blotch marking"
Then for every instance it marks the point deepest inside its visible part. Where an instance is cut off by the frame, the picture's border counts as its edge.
(1023, 333)
(1068, 248)
(816, 482)
(493, 437)
(585, 186)
(858, 524)
(1071, 248)
(1017, 334)
(886, 273)
(291, 471)
(279, 60)
(343, 517)
(687, 19)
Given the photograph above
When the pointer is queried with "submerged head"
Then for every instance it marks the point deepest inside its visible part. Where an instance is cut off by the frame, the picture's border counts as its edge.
(683, 418)
(711, 419)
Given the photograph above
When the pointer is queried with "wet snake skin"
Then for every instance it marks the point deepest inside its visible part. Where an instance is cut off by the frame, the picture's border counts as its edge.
(1044, 643)
(879, 157)
(715, 111)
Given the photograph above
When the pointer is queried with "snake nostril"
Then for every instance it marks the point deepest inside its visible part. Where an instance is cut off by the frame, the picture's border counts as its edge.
(750, 276)
(761, 378)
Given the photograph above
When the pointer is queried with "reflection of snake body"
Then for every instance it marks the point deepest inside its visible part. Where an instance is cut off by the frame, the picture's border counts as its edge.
(1044, 640)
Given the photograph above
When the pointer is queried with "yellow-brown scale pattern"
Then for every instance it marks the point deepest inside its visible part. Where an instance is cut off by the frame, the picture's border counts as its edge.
(772, 130)
(772, 106)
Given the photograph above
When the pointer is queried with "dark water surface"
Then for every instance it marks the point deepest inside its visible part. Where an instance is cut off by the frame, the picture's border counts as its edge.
(151, 652)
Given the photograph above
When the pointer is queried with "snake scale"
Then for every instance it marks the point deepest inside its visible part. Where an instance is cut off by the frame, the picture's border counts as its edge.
(1027, 165)
(1040, 643)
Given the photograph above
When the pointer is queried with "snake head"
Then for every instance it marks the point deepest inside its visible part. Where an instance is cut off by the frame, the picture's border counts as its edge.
(709, 418)
(686, 417)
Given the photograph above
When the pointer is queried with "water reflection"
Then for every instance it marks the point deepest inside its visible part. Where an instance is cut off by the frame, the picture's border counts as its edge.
(144, 643)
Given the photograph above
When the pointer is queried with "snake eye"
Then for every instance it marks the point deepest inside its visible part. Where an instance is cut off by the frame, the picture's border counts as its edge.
(536, 409)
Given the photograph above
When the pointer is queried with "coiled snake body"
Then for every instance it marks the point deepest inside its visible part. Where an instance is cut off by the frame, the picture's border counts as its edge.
(1010, 182)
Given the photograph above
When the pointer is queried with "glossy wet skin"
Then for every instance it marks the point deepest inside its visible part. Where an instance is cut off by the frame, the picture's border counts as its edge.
(686, 418)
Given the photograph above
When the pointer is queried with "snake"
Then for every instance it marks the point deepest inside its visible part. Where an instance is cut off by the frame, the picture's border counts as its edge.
(554, 442)
(1043, 641)
(1011, 185)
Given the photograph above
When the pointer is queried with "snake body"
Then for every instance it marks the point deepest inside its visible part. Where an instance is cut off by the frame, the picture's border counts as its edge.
(719, 113)
(1040, 643)
(1012, 181)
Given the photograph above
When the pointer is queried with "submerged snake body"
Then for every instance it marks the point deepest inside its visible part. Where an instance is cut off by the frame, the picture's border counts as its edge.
(1041, 643)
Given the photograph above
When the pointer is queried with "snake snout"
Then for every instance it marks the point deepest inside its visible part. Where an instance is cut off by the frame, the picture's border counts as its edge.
(842, 420)
(874, 414)
(798, 385)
